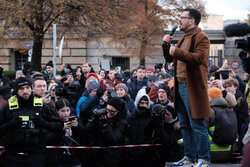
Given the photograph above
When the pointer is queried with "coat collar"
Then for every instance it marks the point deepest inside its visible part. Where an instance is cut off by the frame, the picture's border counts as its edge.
(189, 34)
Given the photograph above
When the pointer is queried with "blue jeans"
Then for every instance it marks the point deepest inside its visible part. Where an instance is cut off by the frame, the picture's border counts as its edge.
(194, 131)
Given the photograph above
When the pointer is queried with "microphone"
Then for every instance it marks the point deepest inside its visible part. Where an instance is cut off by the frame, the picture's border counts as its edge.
(171, 33)
(173, 30)
(239, 29)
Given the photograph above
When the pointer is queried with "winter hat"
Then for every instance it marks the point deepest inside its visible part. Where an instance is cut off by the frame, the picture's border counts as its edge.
(170, 108)
(149, 68)
(93, 74)
(214, 92)
(5, 92)
(122, 85)
(165, 88)
(116, 102)
(21, 82)
(50, 63)
(68, 72)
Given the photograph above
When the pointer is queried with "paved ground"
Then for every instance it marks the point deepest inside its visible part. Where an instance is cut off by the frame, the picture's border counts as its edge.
(224, 165)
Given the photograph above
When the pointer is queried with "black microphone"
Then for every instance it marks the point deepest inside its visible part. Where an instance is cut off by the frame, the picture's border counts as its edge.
(239, 29)
(173, 30)
(171, 33)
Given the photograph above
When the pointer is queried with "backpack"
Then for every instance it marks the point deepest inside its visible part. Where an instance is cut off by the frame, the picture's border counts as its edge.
(225, 131)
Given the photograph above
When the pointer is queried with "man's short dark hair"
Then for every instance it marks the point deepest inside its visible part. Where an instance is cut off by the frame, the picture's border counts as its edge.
(36, 79)
(144, 98)
(140, 67)
(194, 13)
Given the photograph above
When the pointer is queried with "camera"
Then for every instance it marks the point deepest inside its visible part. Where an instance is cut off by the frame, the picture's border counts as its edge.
(100, 112)
(243, 43)
(158, 112)
(158, 67)
(72, 88)
(239, 30)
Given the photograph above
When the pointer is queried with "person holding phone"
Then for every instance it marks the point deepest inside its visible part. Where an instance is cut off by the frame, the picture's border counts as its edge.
(71, 135)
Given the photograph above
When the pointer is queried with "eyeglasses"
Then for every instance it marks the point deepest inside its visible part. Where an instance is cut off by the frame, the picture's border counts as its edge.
(183, 17)
(111, 111)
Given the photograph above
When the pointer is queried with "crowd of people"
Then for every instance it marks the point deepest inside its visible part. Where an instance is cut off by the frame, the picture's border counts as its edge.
(176, 112)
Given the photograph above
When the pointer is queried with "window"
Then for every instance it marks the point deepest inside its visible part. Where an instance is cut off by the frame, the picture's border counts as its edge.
(121, 61)
(20, 59)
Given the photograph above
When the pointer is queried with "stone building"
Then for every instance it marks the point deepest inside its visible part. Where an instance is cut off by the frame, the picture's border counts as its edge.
(14, 52)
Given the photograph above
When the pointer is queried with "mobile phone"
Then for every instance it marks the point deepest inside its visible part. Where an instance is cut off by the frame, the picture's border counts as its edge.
(217, 75)
(71, 118)
(224, 74)
(47, 92)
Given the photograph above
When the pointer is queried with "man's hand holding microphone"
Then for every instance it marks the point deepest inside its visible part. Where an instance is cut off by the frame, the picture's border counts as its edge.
(168, 38)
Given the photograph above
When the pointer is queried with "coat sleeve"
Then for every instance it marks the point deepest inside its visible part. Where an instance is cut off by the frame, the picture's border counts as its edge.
(51, 121)
(88, 104)
(4, 118)
(166, 55)
(200, 54)
(114, 136)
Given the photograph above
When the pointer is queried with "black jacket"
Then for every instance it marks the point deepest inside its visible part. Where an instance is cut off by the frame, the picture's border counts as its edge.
(241, 109)
(142, 131)
(27, 139)
(61, 157)
(110, 132)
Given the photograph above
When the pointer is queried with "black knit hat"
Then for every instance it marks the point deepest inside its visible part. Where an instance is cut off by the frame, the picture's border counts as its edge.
(21, 82)
(50, 63)
(165, 88)
(5, 92)
(117, 102)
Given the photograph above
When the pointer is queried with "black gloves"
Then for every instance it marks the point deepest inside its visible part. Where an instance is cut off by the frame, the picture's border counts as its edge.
(15, 123)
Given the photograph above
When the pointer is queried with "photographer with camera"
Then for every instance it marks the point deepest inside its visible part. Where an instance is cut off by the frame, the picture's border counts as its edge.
(107, 128)
(96, 101)
(23, 122)
(72, 135)
(113, 79)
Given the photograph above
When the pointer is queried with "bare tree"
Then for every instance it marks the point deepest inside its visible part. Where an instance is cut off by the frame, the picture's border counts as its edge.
(143, 20)
(33, 18)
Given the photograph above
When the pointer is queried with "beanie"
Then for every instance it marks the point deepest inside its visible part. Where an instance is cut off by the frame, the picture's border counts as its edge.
(21, 82)
(149, 68)
(165, 88)
(93, 74)
(5, 92)
(50, 63)
(122, 85)
(214, 92)
(170, 108)
(117, 102)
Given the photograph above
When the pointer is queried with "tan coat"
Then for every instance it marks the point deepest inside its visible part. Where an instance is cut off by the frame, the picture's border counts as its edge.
(196, 59)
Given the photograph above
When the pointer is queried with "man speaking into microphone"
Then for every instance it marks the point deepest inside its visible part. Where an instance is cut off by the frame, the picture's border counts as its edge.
(190, 57)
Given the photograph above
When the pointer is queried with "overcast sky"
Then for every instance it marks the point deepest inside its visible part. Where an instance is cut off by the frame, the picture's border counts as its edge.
(231, 9)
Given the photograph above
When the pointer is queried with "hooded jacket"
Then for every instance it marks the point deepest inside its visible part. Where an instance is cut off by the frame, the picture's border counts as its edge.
(138, 133)
(140, 94)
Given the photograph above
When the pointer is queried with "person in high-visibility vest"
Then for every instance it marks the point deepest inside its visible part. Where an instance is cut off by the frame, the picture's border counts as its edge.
(23, 122)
